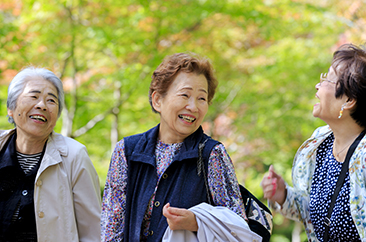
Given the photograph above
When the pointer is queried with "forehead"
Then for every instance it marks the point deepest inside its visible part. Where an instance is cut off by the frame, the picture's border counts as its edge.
(190, 80)
(38, 83)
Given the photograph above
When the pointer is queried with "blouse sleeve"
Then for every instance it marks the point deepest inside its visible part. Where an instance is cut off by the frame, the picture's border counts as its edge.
(222, 181)
(114, 198)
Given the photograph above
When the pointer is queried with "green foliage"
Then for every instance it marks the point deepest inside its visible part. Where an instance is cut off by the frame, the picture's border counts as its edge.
(267, 55)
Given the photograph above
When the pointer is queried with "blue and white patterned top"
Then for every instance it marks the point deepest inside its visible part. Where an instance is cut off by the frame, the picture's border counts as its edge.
(327, 171)
(297, 202)
(221, 178)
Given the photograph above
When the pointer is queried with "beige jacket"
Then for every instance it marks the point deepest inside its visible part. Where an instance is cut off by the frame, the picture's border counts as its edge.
(67, 198)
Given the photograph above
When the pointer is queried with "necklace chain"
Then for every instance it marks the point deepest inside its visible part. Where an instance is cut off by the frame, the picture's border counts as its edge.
(337, 153)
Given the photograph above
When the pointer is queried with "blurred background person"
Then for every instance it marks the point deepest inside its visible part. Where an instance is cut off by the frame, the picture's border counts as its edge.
(318, 162)
(49, 189)
(158, 168)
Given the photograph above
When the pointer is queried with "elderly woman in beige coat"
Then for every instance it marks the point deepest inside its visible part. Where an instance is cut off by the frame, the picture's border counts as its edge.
(49, 189)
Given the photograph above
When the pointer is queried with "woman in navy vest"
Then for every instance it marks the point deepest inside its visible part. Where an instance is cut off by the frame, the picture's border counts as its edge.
(153, 177)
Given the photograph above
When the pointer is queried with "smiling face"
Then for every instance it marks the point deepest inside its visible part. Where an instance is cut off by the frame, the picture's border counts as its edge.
(36, 111)
(329, 106)
(183, 107)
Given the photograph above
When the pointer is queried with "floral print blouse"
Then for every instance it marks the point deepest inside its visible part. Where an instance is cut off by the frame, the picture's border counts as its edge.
(297, 202)
(221, 178)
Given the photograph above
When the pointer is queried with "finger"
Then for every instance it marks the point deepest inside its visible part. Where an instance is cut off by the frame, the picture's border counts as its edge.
(166, 207)
(268, 192)
(273, 173)
(274, 186)
(166, 212)
(177, 211)
(267, 176)
(270, 172)
(265, 181)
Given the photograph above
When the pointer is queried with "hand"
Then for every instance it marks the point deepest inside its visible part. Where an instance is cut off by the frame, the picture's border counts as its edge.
(274, 187)
(180, 218)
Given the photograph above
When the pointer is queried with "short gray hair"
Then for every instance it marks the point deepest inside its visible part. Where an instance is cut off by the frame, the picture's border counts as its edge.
(18, 83)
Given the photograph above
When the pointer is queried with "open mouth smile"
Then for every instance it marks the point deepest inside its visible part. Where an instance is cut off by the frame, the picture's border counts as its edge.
(187, 118)
(39, 118)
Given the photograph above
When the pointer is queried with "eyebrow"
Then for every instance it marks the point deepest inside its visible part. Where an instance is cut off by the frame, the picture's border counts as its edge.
(50, 93)
(190, 88)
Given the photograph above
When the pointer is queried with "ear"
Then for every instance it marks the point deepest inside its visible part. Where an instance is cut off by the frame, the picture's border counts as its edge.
(10, 113)
(156, 101)
(350, 104)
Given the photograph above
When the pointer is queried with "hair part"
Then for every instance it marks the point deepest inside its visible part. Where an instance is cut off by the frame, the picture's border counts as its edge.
(18, 83)
(172, 65)
(349, 63)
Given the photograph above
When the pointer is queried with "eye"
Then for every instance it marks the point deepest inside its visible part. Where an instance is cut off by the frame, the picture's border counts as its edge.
(52, 100)
(184, 95)
(202, 99)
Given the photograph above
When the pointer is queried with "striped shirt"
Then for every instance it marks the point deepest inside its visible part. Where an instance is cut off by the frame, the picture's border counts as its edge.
(28, 162)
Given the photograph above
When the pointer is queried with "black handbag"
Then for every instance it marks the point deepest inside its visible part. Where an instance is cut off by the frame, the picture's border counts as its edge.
(259, 216)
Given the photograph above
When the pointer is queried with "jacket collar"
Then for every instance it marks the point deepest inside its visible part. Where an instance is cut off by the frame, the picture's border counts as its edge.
(8, 154)
(4, 136)
(56, 140)
(145, 149)
(55, 149)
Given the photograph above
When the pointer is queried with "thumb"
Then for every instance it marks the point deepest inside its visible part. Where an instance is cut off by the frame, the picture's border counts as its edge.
(166, 209)
(175, 211)
(272, 173)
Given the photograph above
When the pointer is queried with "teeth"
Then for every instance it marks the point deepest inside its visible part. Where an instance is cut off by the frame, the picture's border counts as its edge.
(38, 117)
(187, 118)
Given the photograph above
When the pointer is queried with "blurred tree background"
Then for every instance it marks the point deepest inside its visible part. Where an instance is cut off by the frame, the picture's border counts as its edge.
(267, 55)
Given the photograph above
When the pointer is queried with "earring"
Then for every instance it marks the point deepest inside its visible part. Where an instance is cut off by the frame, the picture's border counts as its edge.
(341, 112)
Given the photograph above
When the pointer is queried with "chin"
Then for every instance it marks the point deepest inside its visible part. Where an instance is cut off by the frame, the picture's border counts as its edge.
(315, 113)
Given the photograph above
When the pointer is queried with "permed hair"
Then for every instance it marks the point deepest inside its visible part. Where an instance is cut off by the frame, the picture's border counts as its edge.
(166, 72)
(349, 63)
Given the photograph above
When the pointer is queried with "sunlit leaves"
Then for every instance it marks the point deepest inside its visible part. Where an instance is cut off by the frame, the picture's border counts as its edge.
(267, 56)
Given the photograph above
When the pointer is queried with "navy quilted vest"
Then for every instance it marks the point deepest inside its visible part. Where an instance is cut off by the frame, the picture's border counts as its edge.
(180, 185)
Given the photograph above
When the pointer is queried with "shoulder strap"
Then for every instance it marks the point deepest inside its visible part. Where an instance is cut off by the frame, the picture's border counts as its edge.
(203, 153)
(201, 168)
(340, 182)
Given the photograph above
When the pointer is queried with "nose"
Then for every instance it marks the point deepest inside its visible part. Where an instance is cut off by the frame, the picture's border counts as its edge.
(317, 86)
(41, 105)
(192, 106)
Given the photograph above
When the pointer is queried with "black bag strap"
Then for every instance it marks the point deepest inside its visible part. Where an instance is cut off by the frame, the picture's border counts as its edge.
(339, 184)
(201, 168)
(262, 228)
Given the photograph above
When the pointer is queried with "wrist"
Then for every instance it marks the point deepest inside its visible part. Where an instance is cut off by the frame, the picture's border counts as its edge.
(282, 199)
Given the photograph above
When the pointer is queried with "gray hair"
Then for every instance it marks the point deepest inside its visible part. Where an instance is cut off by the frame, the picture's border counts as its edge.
(18, 83)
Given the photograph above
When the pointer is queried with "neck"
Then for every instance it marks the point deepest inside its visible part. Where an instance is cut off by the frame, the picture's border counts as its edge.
(344, 135)
(29, 146)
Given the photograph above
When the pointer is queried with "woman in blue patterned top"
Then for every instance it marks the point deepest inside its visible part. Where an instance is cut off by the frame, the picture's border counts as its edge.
(318, 162)
(153, 177)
